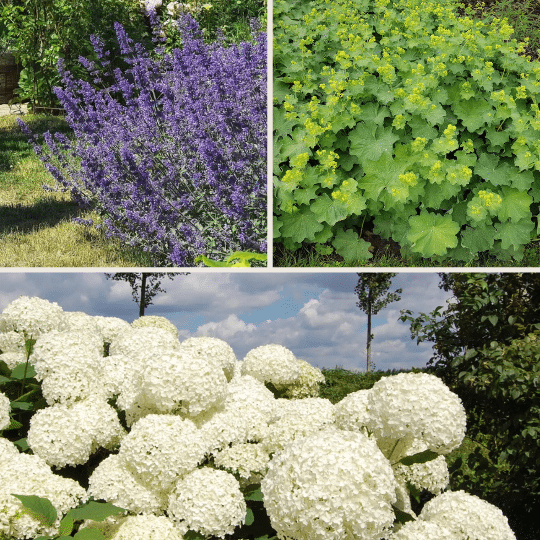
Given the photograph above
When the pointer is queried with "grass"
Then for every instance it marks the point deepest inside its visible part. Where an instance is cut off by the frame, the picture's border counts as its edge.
(385, 255)
(524, 17)
(36, 227)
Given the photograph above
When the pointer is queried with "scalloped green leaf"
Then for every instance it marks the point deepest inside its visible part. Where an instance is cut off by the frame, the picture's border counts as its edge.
(431, 234)
(474, 113)
(514, 234)
(515, 204)
(328, 210)
(300, 225)
(370, 144)
(352, 248)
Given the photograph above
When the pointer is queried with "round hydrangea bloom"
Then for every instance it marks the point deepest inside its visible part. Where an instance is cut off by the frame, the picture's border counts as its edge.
(272, 364)
(7, 450)
(146, 527)
(11, 342)
(417, 406)
(432, 475)
(29, 475)
(207, 501)
(114, 483)
(56, 351)
(78, 321)
(116, 369)
(215, 348)
(297, 418)
(352, 411)
(160, 449)
(243, 415)
(307, 384)
(328, 486)
(13, 359)
(155, 321)
(248, 461)
(67, 434)
(110, 327)
(5, 409)
(77, 380)
(416, 530)
(467, 516)
(31, 316)
(136, 342)
(181, 381)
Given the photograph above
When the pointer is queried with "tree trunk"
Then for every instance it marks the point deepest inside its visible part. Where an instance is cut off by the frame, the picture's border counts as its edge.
(368, 348)
(143, 295)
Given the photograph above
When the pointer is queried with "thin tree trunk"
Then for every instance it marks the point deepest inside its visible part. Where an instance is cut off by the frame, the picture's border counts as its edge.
(143, 295)
(368, 348)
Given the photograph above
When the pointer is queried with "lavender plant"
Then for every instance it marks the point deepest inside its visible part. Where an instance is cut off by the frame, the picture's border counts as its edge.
(172, 153)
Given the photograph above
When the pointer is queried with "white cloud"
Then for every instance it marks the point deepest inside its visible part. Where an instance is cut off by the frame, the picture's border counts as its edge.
(225, 329)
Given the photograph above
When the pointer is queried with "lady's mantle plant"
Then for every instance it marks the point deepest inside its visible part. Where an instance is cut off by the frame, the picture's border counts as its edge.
(172, 154)
(404, 117)
(197, 444)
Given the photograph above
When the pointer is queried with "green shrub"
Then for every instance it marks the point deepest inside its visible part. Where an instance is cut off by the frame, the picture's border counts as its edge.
(407, 119)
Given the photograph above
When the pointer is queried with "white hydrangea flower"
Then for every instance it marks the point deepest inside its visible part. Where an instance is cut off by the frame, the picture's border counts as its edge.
(31, 316)
(5, 409)
(77, 380)
(215, 348)
(330, 485)
(416, 530)
(352, 412)
(417, 406)
(467, 516)
(160, 449)
(273, 364)
(67, 434)
(432, 475)
(12, 342)
(116, 369)
(154, 321)
(173, 381)
(13, 359)
(78, 321)
(307, 384)
(7, 451)
(208, 501)
(243, 416)
(297, 418)
(146, 527)
(25, 474)
(249, 461)
(110, 327)
(57, 351)
(136, 342)
(114, 483)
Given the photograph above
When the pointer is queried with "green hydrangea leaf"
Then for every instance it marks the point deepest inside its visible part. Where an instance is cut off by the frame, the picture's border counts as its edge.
(40, 506)
(95, 511)
(300, 225)
(352, 248)
(431, 234)
(328, 210)
(514, 234)
(515, 204)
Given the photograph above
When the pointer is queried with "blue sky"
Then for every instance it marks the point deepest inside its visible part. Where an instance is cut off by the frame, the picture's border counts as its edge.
(314, 314)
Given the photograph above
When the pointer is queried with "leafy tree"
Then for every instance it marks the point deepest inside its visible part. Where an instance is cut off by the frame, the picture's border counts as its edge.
(144, 286)
(487, 349)
(372, 292)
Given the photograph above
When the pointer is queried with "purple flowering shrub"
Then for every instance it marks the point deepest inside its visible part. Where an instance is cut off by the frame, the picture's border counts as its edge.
(171, 153)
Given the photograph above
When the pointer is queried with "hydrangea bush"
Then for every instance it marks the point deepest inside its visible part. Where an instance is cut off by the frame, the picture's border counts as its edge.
(187, 442)
(402, 117)
(172, 153)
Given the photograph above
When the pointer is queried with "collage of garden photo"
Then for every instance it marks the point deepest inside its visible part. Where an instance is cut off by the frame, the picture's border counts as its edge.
(270, 269)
